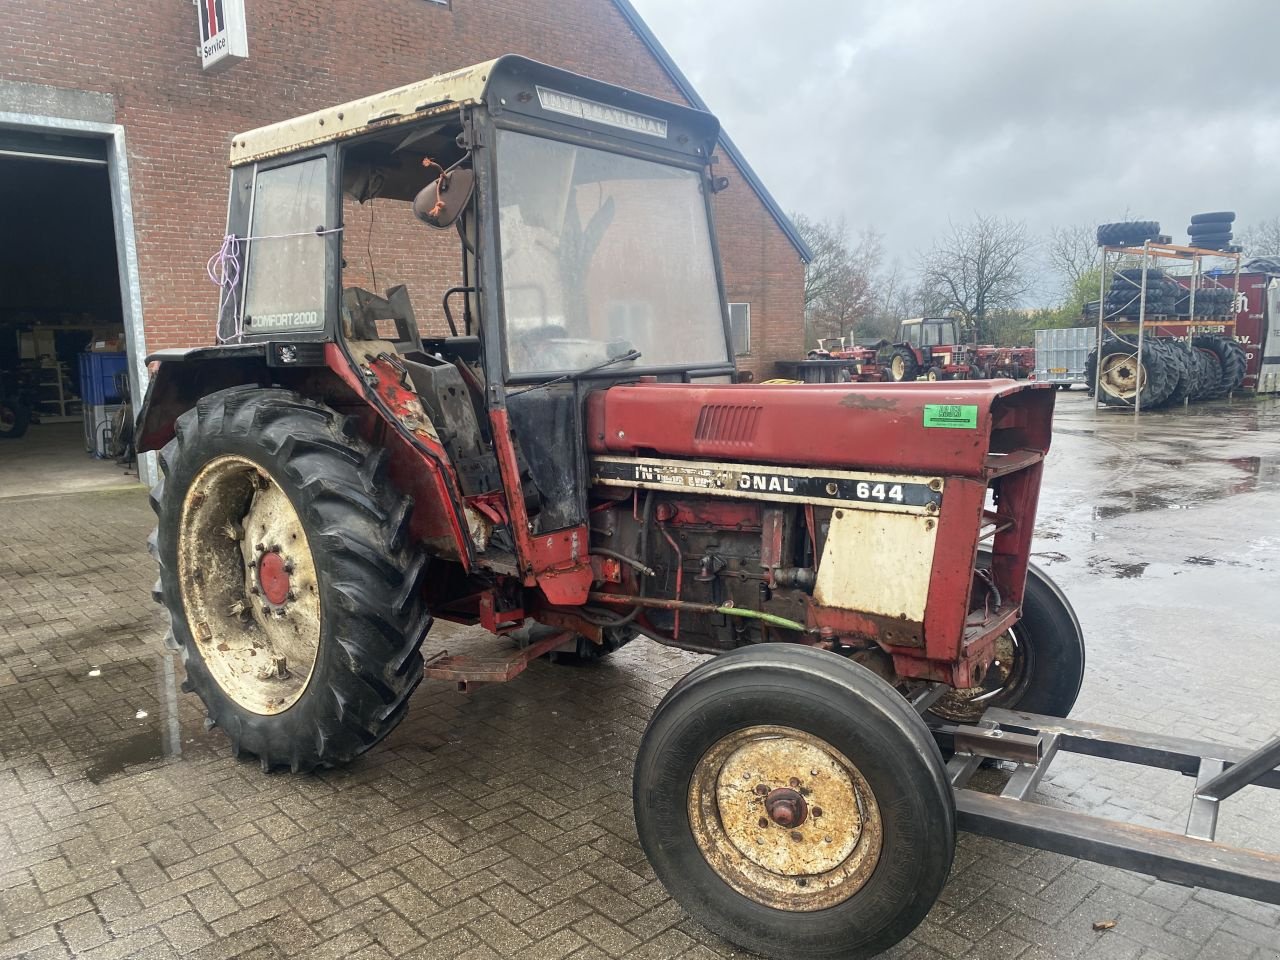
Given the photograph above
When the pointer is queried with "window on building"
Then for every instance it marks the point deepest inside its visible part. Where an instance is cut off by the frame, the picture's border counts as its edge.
(740, 328)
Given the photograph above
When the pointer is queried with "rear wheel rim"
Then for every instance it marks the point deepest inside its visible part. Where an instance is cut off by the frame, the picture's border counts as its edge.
(784, 818)
(248, 585)
(1122, 375)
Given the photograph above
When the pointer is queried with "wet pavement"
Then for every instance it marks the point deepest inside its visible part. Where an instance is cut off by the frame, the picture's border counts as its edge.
(498, 824)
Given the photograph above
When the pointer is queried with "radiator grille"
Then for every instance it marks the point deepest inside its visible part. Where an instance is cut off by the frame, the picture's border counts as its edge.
(731, 424)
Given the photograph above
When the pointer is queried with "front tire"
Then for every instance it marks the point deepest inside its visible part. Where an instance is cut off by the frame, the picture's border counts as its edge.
(795, 804)
(14, 419)
(292, 590)
(1040, 664)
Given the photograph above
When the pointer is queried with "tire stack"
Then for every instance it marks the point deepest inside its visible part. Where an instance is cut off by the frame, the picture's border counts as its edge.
(1169, 373)
(1210, 302)
(1124, 298)
(1212, 231)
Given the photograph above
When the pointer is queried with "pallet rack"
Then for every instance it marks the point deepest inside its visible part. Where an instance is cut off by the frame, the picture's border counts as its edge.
(1151, 254)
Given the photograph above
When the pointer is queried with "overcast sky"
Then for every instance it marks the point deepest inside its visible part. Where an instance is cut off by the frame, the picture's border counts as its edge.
(902, 114)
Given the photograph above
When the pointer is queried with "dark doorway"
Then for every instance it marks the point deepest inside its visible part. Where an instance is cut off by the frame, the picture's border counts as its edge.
(62, 336)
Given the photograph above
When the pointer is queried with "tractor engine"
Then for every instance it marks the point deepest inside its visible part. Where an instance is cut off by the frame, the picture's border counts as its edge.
(716, 555)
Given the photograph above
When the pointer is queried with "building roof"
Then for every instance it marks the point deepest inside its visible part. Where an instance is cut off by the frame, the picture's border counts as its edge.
(686, 89)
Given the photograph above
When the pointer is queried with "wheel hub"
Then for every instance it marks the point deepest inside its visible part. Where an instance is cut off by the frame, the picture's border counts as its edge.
(273, 578)
(786, 807)
(785, 818)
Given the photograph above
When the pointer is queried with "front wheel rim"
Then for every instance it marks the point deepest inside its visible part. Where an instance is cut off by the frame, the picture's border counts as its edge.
(899, 368)
(1003, 685)
(248, 584)
(784, 818)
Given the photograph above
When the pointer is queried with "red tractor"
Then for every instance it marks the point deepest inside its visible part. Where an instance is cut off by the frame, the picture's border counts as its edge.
(574, 465)
(929, 348)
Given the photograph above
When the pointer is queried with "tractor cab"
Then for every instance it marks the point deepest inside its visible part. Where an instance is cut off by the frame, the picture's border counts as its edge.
(928, 332)
(558, 228)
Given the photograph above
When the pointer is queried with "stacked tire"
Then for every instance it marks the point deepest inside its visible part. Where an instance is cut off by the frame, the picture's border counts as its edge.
(1167, 373)
(1127, 233)
(1125, 297)
(1211, 231)
(1210, 302)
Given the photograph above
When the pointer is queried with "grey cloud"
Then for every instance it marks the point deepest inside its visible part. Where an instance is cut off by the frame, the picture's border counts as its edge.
(901, 115)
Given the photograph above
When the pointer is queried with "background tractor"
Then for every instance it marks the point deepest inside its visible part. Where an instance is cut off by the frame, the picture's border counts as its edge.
(574, 465)
(929, 348)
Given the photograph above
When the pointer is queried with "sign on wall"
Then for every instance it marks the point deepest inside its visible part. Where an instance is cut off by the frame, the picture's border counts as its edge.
(224, 38)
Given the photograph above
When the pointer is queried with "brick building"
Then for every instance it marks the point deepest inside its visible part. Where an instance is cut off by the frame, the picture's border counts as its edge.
(117, 95)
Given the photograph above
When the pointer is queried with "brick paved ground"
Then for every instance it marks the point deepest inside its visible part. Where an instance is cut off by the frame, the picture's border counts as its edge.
(499, 824)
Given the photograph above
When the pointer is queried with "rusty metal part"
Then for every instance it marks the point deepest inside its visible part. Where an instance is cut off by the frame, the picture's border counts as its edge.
(468, 671)
(242, 642)
(786, 807)
(1005, 673)
(627, 600)
(769, 846)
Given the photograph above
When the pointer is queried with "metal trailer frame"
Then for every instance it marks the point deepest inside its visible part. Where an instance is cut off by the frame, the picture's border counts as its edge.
(1152, 252)
(1032, 742)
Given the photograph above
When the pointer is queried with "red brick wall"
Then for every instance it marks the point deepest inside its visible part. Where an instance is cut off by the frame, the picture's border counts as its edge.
(305, 55)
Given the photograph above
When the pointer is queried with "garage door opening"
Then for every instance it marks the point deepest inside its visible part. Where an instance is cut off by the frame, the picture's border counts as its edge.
(64, 357)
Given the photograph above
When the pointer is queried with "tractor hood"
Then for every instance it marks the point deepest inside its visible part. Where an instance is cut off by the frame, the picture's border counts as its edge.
(964, 428)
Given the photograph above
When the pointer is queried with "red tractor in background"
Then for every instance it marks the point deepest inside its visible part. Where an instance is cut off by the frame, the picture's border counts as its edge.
(929, 348)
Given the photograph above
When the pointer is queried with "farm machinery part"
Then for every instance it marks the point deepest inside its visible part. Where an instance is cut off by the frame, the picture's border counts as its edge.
(567, 474)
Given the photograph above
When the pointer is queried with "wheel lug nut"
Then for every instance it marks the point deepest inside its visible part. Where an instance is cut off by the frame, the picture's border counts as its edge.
(292, 595)
(266, 611)
(764, 821)
(259, 547)
(797, 836)
(275, 548)
(254, 591)
(817, 811)
(794, 781)
(288, 568)
(762, 789)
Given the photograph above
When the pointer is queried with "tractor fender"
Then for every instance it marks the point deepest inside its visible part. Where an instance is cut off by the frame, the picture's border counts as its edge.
(418, 464)
(181, 377)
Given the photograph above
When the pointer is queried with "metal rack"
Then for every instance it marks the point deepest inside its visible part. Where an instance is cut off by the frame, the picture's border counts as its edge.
(1150, 254)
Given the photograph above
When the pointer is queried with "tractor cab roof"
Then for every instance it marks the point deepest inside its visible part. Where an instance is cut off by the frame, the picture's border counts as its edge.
(506, 84)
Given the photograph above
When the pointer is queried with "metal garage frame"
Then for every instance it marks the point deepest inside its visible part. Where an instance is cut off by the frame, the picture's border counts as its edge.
(126, 242)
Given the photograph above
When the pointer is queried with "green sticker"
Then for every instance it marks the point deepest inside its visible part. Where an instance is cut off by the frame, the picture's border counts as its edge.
(961, 416)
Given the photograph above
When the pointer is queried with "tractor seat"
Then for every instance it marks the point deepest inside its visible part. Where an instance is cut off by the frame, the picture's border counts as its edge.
(367, 316)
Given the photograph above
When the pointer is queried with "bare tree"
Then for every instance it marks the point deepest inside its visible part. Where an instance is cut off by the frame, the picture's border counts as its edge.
(978, 268)
(1261, 239)
(840, 281)
(1073, 253)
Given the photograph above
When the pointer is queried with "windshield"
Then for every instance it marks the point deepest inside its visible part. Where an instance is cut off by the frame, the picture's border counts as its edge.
(939, 334)
(602, 254)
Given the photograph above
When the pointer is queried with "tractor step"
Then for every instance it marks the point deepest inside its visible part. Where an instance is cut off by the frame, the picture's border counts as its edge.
(468, 671)
(1031, 743)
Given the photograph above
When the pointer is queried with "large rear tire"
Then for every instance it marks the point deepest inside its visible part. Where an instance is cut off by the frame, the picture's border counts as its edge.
(1041, 661)
(795, 804)
(903, 366)
(290, 582)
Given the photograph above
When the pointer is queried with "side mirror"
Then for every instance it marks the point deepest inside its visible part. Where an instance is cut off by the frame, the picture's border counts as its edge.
(442, 201)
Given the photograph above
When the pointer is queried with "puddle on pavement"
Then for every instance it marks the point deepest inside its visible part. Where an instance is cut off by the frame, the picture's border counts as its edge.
(1119, 571)
(145, 746)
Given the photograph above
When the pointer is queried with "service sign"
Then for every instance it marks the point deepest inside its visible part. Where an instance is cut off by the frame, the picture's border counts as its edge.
(224, 38)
